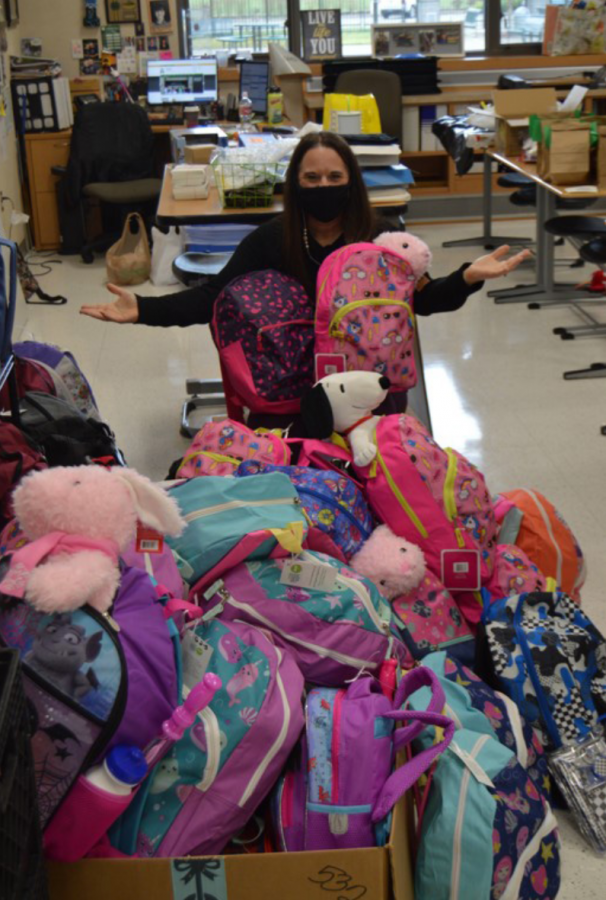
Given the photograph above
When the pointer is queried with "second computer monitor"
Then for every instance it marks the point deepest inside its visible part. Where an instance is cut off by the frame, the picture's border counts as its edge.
(254, 79)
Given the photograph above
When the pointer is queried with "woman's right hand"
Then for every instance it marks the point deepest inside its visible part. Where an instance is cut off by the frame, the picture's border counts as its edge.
(124, 310)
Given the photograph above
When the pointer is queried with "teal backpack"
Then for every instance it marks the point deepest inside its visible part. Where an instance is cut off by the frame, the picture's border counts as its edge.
(213, 779)
(230, 520)
(488, 832)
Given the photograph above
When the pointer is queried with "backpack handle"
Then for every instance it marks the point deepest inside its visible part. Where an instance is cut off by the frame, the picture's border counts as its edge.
(403, 778)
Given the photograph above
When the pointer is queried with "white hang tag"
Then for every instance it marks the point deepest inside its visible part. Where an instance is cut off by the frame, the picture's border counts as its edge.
(196, 655)
(474, 767)
(311, 575)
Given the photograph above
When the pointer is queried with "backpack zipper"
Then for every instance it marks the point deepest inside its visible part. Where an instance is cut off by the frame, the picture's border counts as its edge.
(279, 741)
(239, 504)
(458, 830)
(336, 743)
(349, 307)
(336, 505)
(398, 494)
(450, 504)
(264, 328)
(216, 457)
(316, 648)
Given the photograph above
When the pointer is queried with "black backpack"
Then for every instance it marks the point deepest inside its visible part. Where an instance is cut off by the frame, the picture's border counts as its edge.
(67, 437)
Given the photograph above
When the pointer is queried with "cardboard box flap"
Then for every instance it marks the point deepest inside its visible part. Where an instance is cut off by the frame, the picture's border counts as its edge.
(516, 105)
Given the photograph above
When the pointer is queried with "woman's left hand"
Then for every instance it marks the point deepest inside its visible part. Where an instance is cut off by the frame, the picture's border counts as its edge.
(494, 265)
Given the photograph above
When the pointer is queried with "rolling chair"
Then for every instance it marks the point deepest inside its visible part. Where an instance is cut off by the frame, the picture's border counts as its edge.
(110, 161)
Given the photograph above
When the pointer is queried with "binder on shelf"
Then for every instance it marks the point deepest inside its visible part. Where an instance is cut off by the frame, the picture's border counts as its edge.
(411, 129)
(428, 117)
(387, 177)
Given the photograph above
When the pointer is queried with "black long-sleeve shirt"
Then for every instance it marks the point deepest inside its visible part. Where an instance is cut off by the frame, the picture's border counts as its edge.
(262, 249)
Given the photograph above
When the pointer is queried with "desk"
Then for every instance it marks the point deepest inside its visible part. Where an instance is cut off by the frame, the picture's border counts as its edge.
(206, 212)
(544, 291)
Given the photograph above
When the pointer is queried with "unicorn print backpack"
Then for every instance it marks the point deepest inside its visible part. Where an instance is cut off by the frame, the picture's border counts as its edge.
(364, 312)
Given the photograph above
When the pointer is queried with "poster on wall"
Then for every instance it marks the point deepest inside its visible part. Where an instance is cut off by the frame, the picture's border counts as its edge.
(321, 34)
(120, 12)
(31, 47)
(432, 39)
(159, 17)
(111, 38)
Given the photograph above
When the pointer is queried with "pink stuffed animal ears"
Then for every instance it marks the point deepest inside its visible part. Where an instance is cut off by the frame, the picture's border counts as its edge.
(152, 504)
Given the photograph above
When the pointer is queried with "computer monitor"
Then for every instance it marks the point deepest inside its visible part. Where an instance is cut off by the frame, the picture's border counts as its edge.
(181, 80)
(254, 79)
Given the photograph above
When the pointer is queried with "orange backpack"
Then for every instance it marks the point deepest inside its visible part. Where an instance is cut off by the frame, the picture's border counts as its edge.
(545, 537)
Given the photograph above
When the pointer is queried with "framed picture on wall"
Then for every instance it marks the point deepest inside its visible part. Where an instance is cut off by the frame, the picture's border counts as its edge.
(121, 12)
(159, 17)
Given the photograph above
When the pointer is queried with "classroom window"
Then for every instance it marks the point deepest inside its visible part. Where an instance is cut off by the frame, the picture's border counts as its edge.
(214, 25)
(523, 21)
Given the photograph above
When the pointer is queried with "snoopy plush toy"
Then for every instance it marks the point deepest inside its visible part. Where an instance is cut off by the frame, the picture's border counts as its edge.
(344, 403)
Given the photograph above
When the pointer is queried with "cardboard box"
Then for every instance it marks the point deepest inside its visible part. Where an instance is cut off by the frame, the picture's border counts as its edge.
(601, 158)
(512, 111)
(382, 873)
(198, 154)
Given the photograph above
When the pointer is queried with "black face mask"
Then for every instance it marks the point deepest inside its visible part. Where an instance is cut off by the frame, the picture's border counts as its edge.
(323, 203)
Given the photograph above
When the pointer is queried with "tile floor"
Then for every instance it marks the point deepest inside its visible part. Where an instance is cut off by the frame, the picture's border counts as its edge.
(496, 392)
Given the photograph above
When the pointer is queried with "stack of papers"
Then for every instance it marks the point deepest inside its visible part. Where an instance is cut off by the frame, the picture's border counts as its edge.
(190, 182)
(377, 154)
(34, 67)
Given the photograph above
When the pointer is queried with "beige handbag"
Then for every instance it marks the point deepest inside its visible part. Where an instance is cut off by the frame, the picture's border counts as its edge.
(129, 260)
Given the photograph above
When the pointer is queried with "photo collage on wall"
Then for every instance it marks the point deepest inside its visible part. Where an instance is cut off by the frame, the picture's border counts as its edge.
(116, 49)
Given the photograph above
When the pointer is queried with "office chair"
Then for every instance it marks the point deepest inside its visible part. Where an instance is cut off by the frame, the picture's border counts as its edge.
(110, 161)
(387, 90)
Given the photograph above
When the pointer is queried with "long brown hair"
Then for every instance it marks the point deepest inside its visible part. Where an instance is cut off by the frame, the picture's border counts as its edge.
(357, 217)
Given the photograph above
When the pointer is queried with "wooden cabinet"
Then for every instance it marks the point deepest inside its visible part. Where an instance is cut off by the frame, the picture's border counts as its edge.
(43, 151)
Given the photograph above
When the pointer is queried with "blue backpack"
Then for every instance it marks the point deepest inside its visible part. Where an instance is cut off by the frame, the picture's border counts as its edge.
(330, 500)
(547, 655)
(488, 831)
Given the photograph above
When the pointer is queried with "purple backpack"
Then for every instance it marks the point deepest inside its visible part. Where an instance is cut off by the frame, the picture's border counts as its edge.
(333, 633)
(91, 681)
(69, 380)
(263, 327)
(340, 786)
(332, 502)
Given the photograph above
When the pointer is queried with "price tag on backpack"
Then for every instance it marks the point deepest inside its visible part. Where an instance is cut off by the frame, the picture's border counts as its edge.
(148, 540)
(329, 364)
(461, 570)
(311, 575)
(196, 655)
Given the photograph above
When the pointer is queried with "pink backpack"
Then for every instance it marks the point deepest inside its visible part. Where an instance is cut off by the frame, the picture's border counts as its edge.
(220, 447)
(431, 496)
(364, 311)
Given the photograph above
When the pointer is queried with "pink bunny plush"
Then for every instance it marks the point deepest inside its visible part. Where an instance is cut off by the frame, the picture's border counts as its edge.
(78, 520)
(396, 566)
(412, 248)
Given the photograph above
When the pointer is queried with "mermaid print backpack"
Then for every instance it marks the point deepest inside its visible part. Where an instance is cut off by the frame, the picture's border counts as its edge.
(364, 312)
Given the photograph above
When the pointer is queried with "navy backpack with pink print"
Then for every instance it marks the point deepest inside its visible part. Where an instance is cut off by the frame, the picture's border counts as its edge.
(263, 327)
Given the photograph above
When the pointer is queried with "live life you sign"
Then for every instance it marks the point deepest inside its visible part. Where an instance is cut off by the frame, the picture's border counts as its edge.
(321, 34)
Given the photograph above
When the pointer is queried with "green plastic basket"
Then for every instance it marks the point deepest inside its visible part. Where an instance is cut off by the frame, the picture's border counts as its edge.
(245, 184)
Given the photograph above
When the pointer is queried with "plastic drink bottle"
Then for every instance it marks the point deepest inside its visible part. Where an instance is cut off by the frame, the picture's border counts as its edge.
(245, 109)
(122, 769)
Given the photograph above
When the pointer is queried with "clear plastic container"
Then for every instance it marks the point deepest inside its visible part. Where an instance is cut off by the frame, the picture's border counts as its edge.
(245, 110)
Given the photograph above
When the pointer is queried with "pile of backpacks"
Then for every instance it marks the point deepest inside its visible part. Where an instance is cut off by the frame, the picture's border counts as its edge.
(351, 668)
